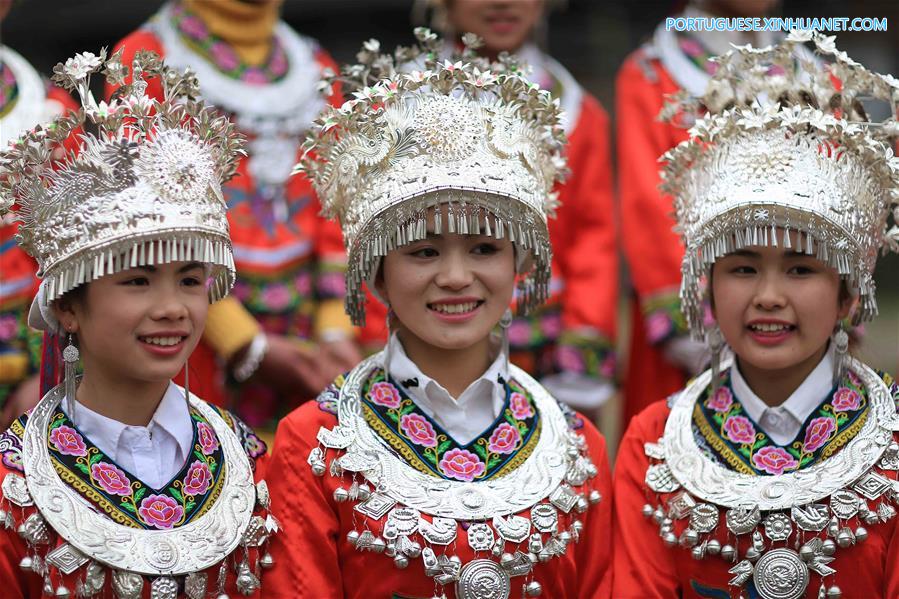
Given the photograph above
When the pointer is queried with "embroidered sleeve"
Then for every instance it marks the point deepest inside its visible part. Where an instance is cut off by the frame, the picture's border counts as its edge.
(252, 444)
(575, 422)
(11, 444)
(586, 352)
(662, 316)
(327, 399)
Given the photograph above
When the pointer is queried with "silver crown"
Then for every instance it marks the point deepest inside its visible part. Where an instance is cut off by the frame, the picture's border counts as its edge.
(144, 189)
(416, 133)
(783, 141)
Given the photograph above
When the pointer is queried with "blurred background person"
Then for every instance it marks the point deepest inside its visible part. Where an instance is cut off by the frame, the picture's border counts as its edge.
(569, 343)
(662, 355)
(284, 336)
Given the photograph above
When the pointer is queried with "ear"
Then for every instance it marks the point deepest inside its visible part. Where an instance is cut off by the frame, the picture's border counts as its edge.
(848, 304)
(64, 311)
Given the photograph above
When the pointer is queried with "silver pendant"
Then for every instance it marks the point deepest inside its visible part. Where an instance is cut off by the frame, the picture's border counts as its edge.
(34, 530)
(844, 504)
(450, 569)
(704, 517)
(127, 585)
(94, 579)
(195, 585)
(404, 520)
(545, 517)
(429, 560)
(890, 458)
(812, 517)
(247, 583)
(680, 505)
(578, 472)
(339, 437)
(514, 529)
(480, 537)
(778, 527)
(440, 531)
(375, 506)
(263, 498)
(255, 534)
(655, 451)
(483, 579)
(316, 461)
(564, 498)
(780, 574)
(357, 461)
(742, 520)
(885, 512)
(742, 572)
(660, 479)
(15, 490)
(872, 485)
(518, 564)
(164, 587)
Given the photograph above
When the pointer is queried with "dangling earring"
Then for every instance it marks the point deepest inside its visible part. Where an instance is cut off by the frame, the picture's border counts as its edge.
(715, 341)
(187, 384)
(504, 323)
(70, 356)
(840, 340)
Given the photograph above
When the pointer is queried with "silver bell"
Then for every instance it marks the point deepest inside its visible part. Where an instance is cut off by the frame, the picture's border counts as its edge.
(647, 511)
(728, 553)
(352, 537)
(861, 533)
(714, 547)
(341, 494)
(834, 592)
(828, 547)
(533, 589)
(267, 561)
(401, 561)
(62, 592)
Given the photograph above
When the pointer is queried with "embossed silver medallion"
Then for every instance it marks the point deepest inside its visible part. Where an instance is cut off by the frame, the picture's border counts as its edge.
(545, 517)
(66, 558)
(680, 505)
(127, 585)
(742, 520)
(16, 490)
(375, 506)
(164, 587)
(439, 531)
(778, 526)
(780, 574)
(812, 517)
(660, 479)
(195, 585)
(563, 498)
(872, 485)
(404, 519)
(483, 579)
(480, 536)
(844, 504)
(704, 517)
(514, 529)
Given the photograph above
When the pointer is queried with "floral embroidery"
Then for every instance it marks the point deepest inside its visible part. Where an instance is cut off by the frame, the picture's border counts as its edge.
(11, 445)
(111, 478)
(9, 89)
(461, 465)
(428, 448)
(198, 479)
(160, 511)
(68, 441)
(505, 439)
(223, 56)
(722, 425)
(206, 438)
(419, 430)
(721, 401)
(739, 429)
(774, 460)
(662, 316)
(327, 399)
(385, 394)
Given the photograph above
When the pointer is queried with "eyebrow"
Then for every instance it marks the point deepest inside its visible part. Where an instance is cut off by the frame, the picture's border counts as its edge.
(187, 267)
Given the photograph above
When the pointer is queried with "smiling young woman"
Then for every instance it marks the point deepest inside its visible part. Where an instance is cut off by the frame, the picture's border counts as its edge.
(776, 470)
(461, 469)
(119, 482)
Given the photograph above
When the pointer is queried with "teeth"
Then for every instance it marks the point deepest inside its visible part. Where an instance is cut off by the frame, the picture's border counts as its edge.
(769, 328)
(162, 340)
(455, 308)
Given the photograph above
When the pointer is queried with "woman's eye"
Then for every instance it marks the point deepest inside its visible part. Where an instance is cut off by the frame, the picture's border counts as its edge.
(743, 270)
(485, 249)
(425, 252)
(136, 281)
(192, 281)
(801, 270)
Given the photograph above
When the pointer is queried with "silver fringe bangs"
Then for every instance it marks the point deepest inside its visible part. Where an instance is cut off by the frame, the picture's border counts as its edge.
(162, 246)
(469, 212)
(757, 225)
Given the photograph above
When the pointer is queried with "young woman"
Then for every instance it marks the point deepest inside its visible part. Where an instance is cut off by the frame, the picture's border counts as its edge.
(120, 483)
(774, 474)
(435, 468)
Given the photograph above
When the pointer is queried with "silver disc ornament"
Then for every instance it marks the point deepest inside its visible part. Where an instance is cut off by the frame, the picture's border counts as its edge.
(780, 574)
(483, 579)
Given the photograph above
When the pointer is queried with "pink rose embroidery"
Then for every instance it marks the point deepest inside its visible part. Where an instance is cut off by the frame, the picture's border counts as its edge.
(519, 332)
(461, 465)
(721, 400)
(224, 56)
(504, 439)
(608, 366)
(206, 438)
(276, 297)
(551, 325)
(160, 511)
(818, 433)
(193, 27)
(198, 479)
(68, 441)
(570, 359)
(303, 283)
(739, 430)
(658, 326)
(111, 479)
(9, 327)
(853, 378)
(774, 460)
(419, 430)
(254, 76)
(520, 406)
(385, 394)
(845, 399)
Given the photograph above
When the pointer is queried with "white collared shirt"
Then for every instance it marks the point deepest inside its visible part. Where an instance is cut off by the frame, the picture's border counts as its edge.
(782, 423)
(464, 417)
(154, 453)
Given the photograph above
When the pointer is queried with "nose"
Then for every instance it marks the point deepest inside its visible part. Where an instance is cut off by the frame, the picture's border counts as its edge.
(770, 291)
(455, 272)
(168, 304)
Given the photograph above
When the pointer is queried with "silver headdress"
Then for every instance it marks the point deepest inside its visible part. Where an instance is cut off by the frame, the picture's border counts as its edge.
(786, 143)
(474, 135)
(144, 189)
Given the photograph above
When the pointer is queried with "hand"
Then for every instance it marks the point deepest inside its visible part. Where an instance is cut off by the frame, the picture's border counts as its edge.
(342, 354)
(25, 397)
(689, 355)
(292, 367)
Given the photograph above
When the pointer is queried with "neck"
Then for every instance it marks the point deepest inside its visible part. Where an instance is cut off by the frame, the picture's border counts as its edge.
(453, 369)
(128, 402)
(776, 386)
(247, 26)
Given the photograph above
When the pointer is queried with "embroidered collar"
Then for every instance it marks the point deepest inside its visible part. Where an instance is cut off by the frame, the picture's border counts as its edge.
(220, 53)
(30, 106)
(802, 402)
(462, 417)
(170, 418)
(9, 89)
(428, 448)
(737, 441)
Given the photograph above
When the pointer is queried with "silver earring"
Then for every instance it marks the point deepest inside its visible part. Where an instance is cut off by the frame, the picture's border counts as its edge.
(715, 341)
(840, 340)
(187, 384)
(504, 323)
(70, 356)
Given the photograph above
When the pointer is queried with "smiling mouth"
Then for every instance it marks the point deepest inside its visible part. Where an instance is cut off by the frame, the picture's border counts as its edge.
(455, 308)
(162, 341)
(771, 327)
